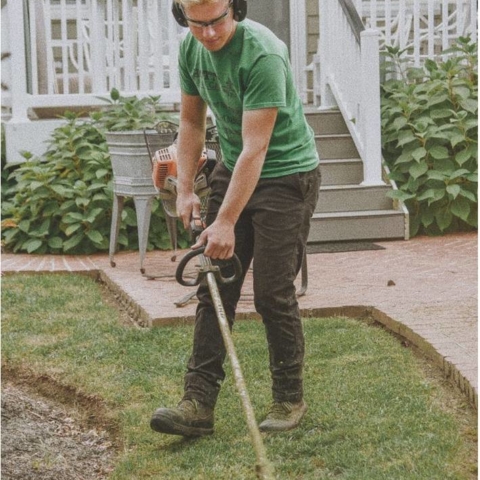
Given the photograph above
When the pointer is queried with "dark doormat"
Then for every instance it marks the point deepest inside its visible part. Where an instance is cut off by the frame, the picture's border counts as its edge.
(336, 247)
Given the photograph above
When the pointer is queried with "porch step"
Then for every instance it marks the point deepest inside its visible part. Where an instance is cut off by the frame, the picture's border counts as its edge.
(365, 225)
(327, 122)
(336, 146)
(353, 198)
(341, 171)
(347, 210)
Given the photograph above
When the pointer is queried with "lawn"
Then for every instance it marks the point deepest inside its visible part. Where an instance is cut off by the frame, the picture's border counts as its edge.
(376, 410)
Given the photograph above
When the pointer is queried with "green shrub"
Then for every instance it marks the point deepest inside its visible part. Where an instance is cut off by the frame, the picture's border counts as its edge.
(429, 138)
(62, 202)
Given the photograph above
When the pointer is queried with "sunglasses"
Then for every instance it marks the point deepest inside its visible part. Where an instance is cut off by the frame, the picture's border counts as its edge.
(212, 23)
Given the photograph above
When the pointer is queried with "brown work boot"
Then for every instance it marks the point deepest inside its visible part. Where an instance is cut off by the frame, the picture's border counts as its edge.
(283, 416)
(189, 418)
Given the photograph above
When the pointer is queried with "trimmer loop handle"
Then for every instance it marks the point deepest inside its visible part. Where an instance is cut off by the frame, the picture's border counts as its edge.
(205, 268)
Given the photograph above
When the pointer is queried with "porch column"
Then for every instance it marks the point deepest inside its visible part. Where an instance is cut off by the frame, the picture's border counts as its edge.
(18, 87)
(370, 105)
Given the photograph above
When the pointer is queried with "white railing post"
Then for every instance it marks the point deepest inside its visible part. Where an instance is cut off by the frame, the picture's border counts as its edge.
(298, 42)
(370, 107)
(98, 48)
(327, 100)
(18, 87)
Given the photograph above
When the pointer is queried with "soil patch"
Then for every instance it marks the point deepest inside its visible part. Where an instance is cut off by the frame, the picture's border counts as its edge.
(45, 440)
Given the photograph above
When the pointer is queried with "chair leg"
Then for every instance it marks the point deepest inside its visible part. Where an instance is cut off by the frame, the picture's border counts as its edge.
(143, 207)
(115, 227)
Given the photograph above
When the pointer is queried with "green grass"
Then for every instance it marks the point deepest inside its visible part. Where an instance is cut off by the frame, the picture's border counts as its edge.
(373, 412)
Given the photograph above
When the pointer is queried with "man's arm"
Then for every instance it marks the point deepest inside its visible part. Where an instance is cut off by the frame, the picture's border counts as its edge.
(257, 128)
(191, 140)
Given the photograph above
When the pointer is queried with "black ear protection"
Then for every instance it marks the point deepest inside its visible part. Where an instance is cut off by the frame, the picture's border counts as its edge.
(239, 12)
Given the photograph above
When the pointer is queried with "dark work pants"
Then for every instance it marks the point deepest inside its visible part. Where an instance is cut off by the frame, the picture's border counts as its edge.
(273, 230)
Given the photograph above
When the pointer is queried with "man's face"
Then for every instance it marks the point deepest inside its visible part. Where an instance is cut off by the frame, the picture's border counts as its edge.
(211, 24)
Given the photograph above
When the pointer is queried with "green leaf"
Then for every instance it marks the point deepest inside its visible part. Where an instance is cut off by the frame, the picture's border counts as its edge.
(60, 189)
(456, 138)
(400, 195)
(34, 185)
(462, 92)
(44, 227)
(73, 242)
(399, 123)
(55, 243)
(32, 245)
(24, 225)
(72, 217)
(453, 190)
(430, 193)
(436, 175)
(467, 194)
(438, 152)
(460, 207)
(405, 157)
(82, 201)
(102, 172)
(470, 105)
(92, 216)
(441, 113)
(459, 173)
(72, 229)
(418, 169)
(95, 236)
(444, 165)
(444, 219)
(405, 137)
(463, 156)
(428, 218)
(419, 153)
(439, 193)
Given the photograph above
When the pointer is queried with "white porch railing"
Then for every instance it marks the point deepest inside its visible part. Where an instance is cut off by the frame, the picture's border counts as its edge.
(350, 79)
(75, 50)
(425, 28)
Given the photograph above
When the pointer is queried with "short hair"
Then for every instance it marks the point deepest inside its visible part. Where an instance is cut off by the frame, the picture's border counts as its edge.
(190, 3)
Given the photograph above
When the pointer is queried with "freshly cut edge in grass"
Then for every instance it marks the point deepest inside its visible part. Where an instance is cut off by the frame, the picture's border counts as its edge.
(375, 412)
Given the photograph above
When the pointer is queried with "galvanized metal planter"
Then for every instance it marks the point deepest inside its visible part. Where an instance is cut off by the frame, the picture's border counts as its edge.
(132, 177)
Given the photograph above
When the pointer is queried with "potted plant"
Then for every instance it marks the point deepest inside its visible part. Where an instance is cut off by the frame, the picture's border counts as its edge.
(124, 121)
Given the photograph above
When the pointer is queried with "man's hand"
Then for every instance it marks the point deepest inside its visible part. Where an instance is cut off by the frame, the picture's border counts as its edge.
(188, 207)
(219, 239)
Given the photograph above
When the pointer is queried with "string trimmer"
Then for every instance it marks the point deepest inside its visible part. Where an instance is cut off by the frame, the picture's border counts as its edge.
(212, 274)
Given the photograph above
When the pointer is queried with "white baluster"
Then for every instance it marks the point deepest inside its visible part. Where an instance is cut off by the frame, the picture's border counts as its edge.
(416, 32)
(80, 46)
(129, 46)
(97, 42)
(33, 48)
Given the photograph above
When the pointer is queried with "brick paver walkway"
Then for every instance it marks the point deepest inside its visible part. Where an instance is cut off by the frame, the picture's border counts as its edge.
(425, 289)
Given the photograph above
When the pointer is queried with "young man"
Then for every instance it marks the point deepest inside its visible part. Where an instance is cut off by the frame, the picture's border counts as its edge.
(263, 196)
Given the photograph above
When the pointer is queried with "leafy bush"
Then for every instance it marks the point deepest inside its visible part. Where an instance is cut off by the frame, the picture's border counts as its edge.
(62, 202)
(430, 141)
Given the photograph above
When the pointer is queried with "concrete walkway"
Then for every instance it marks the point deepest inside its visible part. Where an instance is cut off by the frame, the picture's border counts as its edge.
(424, 289)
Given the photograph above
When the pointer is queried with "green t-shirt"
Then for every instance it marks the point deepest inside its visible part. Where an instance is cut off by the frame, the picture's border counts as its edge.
(251, 72)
